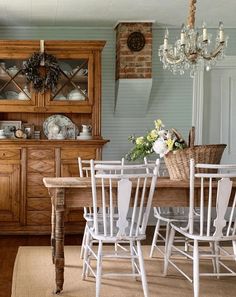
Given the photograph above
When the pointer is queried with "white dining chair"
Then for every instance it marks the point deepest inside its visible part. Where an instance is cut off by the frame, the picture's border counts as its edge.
(164, 216)
(85, 171)
(124, 201)
(216, 222)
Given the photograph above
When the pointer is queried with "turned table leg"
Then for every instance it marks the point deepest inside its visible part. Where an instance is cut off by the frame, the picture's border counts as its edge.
(59, 250)
(53, 234)
(58, 237)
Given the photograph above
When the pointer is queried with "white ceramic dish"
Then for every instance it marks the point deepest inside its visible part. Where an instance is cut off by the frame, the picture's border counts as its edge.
(65, 67)
(75, 98)
(83, 137)
(60, 97)
(2, 137)
(13, 70)
(23, 95)
(11, 95)
(76, 95)
(60, 120)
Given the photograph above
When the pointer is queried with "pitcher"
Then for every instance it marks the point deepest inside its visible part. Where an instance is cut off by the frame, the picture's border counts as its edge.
(86, 129)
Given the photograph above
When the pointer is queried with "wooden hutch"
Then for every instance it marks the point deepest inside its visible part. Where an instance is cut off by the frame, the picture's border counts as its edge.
(25, 205)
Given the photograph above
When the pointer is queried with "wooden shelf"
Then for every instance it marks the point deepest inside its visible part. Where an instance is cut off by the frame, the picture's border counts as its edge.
(95, 140)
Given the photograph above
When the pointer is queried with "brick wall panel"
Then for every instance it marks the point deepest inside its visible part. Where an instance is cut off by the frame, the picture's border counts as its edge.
(133, 64)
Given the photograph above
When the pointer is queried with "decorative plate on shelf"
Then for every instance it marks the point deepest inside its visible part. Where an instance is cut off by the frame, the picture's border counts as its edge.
(64, 124)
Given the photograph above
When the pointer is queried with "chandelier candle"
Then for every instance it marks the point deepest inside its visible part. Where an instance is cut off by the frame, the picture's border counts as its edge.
(193, 49)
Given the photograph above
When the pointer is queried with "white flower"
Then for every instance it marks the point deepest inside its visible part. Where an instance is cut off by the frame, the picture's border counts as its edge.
(160, 147)
(161, 133)
(168, 135)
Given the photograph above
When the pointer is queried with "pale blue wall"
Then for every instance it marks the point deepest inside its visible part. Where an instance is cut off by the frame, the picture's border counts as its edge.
(171, 96)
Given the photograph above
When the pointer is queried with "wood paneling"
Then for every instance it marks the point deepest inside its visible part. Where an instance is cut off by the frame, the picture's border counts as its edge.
(25, 202)
(37, 191)
(39, 218)
(9, 193)
(10, 155)
(36, 179)
(44, 166)
(75, 216)
(69, 170)
(39, 203)
(82, 151)
(44, 154)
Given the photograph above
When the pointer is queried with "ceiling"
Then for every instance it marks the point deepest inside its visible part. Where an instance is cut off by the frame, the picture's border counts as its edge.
(106, 13)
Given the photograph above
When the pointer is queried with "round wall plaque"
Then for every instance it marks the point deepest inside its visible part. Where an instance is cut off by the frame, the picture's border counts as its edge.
(136, 41)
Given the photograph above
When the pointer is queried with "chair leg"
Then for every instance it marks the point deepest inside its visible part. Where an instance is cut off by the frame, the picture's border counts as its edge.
(90, 245)
(167, 235)
(116, 248)
(234, 248)
(217, 253)
(83, 242)
(168, 250)
(186, 245)
(142, 270)
(196, 269)
(99, 269)
(213, 252)
(155, 236)
(86, 255)
(131, 244)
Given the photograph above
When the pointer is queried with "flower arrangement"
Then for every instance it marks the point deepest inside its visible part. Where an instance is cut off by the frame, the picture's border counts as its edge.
(159, 140)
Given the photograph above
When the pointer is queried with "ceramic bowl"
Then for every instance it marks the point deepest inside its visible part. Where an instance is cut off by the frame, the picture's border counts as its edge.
(11, 95)
(13, 70)
(76, 95)
(60, 97)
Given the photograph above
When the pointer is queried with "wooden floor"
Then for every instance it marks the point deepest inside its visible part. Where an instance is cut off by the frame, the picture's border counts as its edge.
(9, 246)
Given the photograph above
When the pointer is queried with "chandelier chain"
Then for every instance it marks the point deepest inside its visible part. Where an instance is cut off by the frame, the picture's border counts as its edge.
(192, 11)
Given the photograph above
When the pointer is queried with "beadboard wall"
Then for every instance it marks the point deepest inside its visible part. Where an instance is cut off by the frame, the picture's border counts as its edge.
(170, 99)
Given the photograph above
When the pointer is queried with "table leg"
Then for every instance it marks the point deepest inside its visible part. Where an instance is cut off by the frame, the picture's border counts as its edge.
(58, 210)
(59, 251)
(53, 234)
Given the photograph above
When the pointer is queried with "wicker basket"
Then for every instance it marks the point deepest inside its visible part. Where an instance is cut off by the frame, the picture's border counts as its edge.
(177, 162)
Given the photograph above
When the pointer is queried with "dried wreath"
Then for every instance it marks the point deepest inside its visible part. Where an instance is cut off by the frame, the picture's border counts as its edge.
(41, 81)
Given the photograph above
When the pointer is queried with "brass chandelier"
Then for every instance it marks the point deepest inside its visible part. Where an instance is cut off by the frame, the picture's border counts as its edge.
(192, 49)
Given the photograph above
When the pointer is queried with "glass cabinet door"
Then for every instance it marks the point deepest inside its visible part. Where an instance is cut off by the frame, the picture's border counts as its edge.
(13, 84)
(75, 84)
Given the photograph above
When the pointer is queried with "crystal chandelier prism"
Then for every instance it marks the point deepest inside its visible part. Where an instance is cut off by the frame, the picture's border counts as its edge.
(192, 50)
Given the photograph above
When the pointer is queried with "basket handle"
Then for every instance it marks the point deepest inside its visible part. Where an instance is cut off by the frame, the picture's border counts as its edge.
(191, 137)
(178, 135)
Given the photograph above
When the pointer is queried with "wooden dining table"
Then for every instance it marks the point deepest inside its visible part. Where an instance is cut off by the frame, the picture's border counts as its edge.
(73, 192)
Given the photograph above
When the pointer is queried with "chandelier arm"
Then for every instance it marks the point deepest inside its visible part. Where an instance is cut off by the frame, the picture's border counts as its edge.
(214, 53)
(191, 56)
(172, 59)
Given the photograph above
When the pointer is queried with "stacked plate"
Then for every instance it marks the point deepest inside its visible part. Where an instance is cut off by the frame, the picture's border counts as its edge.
(84, 136)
